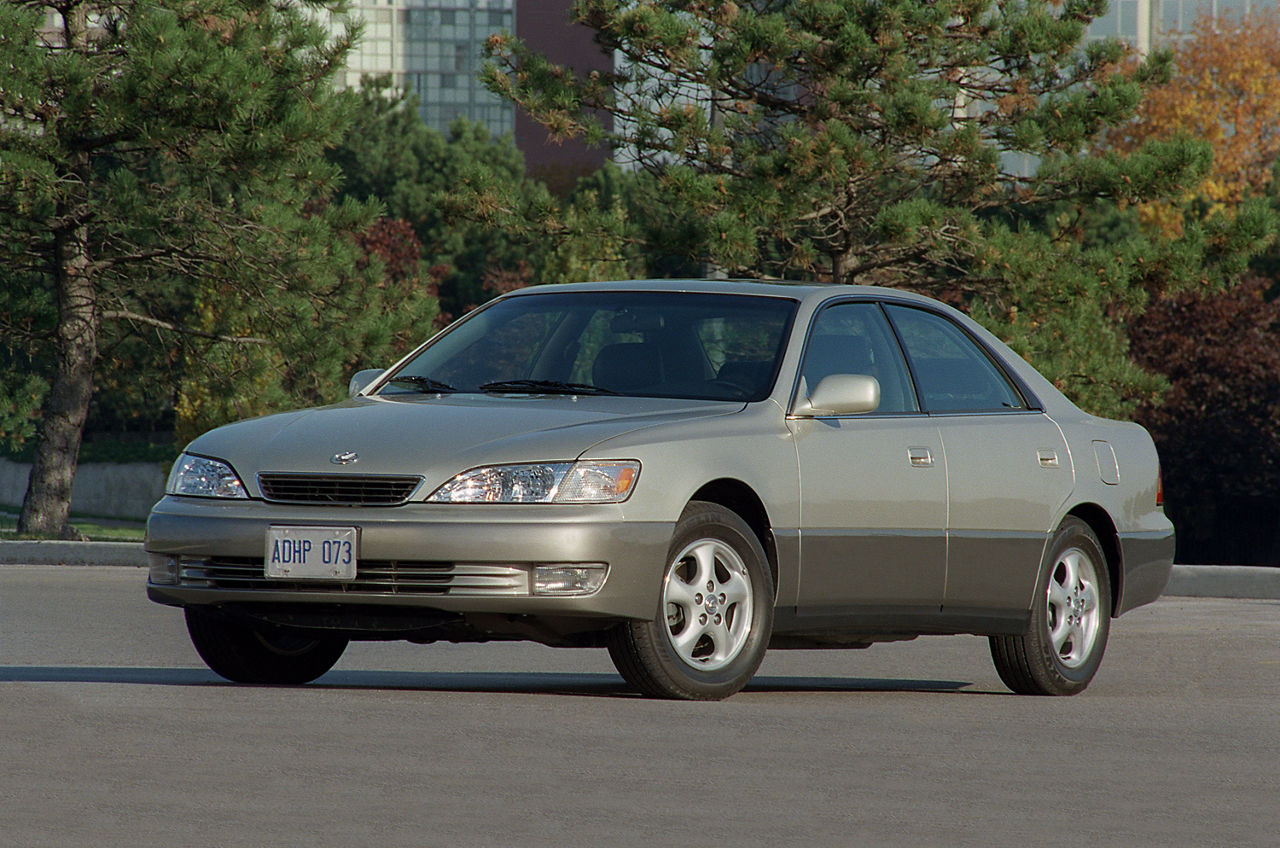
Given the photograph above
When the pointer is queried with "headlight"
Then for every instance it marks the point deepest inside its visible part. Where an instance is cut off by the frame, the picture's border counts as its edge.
(588, 481)
(204, 477)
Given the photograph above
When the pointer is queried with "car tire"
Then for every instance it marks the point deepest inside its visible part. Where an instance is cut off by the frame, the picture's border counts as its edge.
(246, 651)
(714, 617)
(1070, 619)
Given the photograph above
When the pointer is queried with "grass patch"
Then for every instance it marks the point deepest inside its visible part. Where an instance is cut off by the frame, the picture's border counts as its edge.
(97, 529)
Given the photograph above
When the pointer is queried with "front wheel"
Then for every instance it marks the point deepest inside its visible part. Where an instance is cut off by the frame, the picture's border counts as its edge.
(246, 651)
(1069, 623)
(714, 616)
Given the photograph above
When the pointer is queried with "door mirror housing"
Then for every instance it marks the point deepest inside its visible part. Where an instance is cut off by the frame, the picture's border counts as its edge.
(361, 380)
(840, 394)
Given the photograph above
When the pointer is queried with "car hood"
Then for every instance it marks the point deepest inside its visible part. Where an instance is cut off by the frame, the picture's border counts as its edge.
(437, 436)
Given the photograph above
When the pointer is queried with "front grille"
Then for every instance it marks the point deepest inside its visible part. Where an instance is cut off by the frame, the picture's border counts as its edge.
(373, 577)
(344, 489)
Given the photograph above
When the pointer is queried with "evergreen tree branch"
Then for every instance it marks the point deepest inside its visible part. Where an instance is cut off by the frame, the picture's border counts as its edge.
(134, 317)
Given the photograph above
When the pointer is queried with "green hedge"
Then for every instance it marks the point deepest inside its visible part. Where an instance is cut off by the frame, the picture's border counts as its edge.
(109, 451)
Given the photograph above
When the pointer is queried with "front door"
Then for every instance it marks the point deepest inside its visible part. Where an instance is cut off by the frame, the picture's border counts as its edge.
(874, 485)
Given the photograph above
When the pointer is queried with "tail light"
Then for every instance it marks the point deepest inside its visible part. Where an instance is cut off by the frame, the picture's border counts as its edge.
(1159, 487)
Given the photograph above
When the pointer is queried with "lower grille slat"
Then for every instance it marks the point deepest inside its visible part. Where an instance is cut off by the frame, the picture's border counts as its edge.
(373, 577)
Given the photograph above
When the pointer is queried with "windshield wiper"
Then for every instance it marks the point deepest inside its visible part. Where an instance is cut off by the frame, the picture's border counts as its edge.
(425, 384)
(545, 387)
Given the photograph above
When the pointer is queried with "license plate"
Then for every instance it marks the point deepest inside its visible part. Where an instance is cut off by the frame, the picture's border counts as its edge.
(311, 553)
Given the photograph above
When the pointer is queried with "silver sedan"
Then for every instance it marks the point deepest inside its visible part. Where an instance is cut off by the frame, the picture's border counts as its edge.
(683, 472)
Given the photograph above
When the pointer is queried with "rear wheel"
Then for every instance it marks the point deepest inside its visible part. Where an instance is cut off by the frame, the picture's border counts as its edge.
(1069, 623)
(714, 616)
(246, 651)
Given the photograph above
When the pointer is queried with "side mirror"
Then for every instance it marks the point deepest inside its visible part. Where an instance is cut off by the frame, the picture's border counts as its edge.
(362, 380)
(840, 394)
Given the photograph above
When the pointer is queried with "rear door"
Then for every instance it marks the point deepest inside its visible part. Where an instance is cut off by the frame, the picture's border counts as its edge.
(1008, 470)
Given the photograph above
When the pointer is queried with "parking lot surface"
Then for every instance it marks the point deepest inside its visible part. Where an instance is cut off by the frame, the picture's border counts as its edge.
(116, 734)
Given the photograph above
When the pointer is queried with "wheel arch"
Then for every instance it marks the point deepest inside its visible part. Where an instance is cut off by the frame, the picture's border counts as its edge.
(1099, 521)
(737, 496)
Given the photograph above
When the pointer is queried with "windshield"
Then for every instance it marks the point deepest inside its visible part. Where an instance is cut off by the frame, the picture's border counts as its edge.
(639, 344)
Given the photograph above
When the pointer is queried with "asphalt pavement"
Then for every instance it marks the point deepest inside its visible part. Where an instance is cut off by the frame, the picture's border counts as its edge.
(1203, 581)
(116, 734)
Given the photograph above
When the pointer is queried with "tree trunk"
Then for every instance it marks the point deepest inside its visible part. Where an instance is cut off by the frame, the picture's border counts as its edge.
(48, 499)
(47, 503)
(842, 262)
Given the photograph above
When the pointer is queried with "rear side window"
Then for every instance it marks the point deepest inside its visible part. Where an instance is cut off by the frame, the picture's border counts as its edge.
(953, 374)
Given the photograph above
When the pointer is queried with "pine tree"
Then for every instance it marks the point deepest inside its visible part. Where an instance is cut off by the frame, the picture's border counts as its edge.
(936, 146)
(159, 163)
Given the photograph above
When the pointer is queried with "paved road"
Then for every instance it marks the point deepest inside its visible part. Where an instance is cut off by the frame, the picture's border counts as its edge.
(114, 734)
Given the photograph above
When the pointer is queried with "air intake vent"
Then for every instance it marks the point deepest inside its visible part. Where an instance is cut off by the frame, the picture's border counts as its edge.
(372, 578)
(343, 489)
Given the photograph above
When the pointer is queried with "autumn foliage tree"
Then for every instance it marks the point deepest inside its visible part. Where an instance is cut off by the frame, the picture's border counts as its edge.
(1217, 426)
(1224, 88)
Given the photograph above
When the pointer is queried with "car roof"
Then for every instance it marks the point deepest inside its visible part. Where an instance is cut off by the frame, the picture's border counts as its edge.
(773, 288)
(812, 295)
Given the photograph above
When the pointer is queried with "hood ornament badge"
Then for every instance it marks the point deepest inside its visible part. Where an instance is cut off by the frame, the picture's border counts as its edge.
(344, 458)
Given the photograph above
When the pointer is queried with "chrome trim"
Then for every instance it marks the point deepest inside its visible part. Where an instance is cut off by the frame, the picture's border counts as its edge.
(920, 457)
(394, 577)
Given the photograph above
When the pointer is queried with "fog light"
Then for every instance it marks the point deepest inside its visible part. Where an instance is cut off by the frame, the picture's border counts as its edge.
(162, 569)
(569, 579)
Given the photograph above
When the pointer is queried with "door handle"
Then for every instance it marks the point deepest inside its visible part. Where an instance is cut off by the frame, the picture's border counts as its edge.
(1048, 458)
(920, 457)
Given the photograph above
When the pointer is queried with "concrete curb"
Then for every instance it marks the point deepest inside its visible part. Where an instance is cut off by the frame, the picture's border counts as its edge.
(1203, 581)
(72, 553)
(1225, 581)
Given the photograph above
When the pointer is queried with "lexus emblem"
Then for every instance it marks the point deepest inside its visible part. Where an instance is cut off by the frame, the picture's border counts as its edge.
(344, 458)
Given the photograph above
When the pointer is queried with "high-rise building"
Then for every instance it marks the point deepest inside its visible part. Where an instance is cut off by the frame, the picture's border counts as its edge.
(434, 49)
(1150, 23)
(545, 27)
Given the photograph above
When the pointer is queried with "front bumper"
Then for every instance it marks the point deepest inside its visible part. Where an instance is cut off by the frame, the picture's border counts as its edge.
(450, 558)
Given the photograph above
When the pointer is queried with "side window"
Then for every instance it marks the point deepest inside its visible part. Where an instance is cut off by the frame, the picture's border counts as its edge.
(854, 338)
(953, 374)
